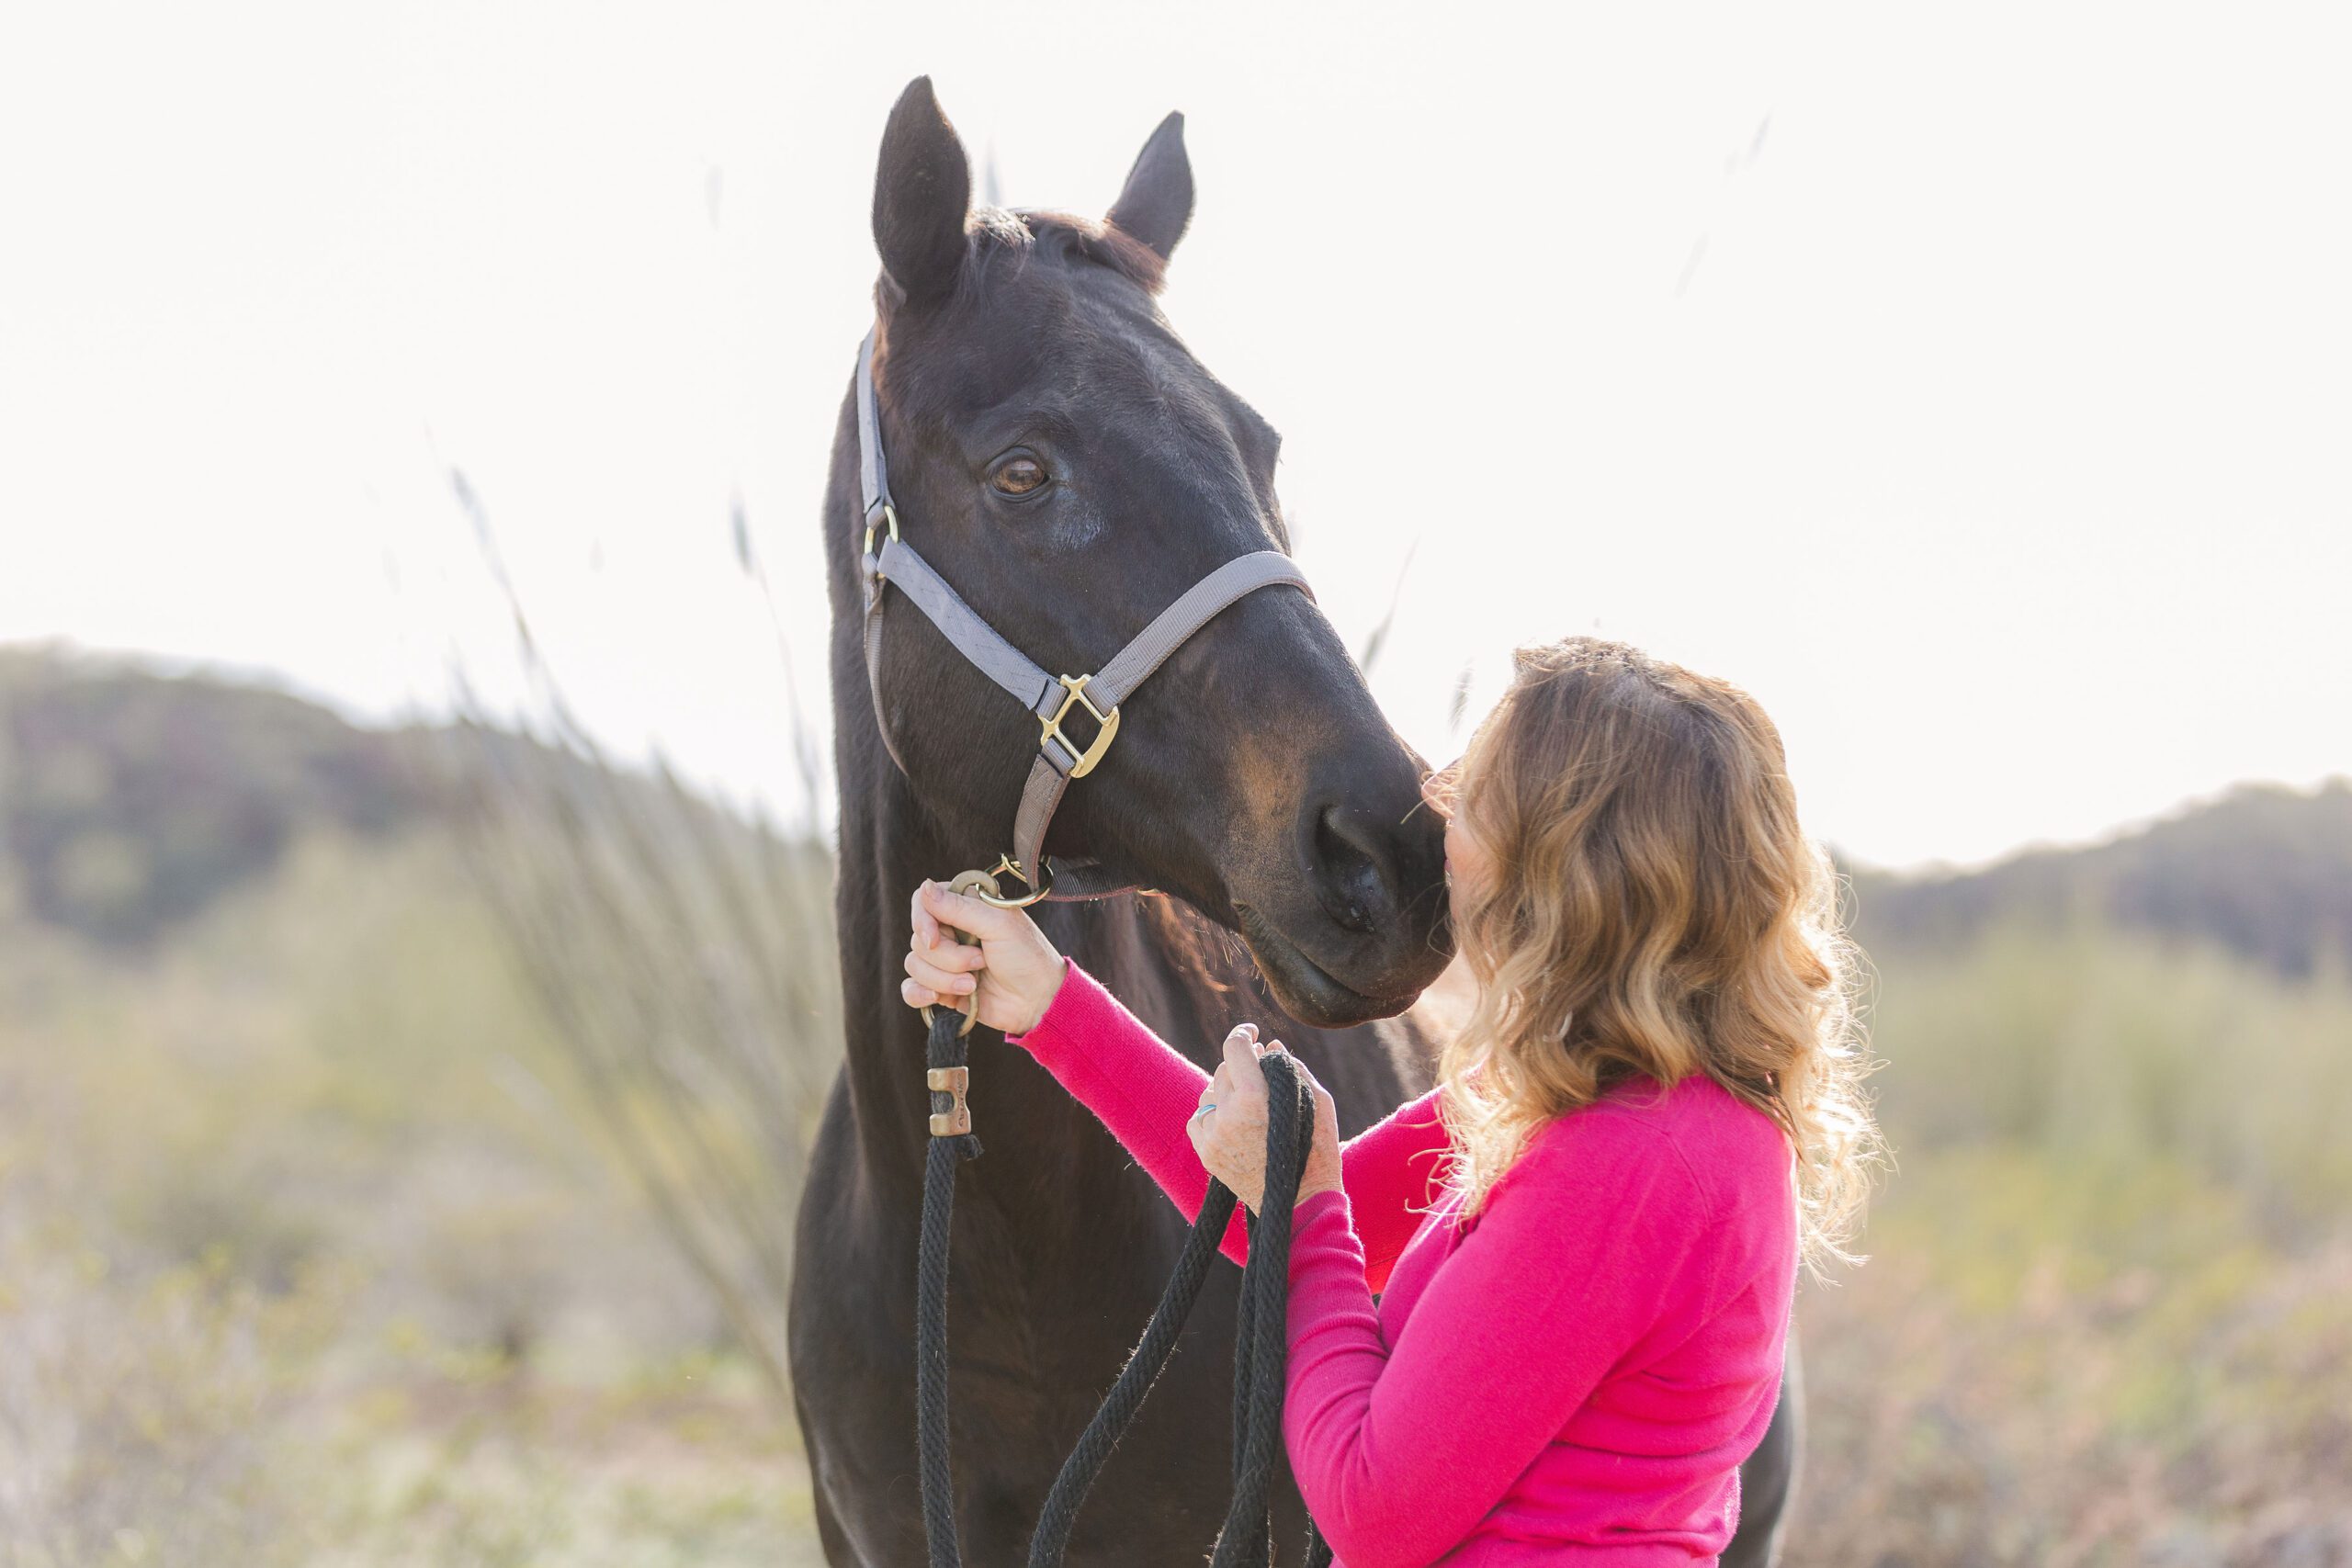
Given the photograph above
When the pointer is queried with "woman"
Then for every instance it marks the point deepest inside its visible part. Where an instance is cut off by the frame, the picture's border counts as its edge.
(1538, 1313)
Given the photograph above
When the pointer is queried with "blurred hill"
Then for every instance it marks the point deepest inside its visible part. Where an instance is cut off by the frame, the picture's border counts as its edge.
(129, 800)
(2264, 871)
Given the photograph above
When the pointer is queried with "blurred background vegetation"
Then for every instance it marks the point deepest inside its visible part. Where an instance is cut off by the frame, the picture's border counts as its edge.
(399, 1134)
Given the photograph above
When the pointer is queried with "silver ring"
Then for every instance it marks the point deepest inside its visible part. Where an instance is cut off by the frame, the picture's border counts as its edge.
(1205, 1105)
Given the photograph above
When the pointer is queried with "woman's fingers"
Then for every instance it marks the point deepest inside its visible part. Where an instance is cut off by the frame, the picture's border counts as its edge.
(966, 913)
(953, 955)
(924, 970)
(926, 928)
(930, 935)
(960, 947)
(1227, 1128)
(1202, 1131)
(1325, 1170)
(1241, 1060)
(938, 966)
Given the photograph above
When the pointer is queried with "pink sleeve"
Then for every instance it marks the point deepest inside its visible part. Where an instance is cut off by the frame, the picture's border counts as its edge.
(1394, 1172)
(1400, 1452)
(1145, 1091)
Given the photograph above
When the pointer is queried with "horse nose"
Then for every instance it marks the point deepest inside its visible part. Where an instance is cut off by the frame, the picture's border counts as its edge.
(1355, 867)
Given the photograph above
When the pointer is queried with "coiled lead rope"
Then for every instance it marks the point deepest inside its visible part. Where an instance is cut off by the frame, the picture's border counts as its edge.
(1259, 1334)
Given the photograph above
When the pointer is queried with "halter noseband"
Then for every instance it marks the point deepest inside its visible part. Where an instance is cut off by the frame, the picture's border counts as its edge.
(1050, 699)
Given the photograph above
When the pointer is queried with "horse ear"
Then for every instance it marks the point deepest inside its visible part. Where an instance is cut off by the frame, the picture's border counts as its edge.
(1158, 200)
(923, 189)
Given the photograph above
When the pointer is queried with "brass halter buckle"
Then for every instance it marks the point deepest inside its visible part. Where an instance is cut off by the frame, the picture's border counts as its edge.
(1074, 695)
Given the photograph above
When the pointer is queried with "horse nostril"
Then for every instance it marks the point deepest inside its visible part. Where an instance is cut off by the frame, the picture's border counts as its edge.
(1350, 870)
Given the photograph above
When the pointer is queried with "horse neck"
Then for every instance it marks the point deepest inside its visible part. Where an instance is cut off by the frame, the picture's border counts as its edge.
(1035, 1134)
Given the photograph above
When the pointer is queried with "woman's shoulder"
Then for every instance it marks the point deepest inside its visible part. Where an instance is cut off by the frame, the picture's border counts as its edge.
(1727, 1153)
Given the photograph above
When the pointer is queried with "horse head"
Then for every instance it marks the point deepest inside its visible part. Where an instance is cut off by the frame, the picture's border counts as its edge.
(1067, 463)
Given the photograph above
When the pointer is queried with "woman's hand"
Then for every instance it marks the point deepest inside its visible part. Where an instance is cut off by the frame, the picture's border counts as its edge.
(1015, 969)
(1228, 1131)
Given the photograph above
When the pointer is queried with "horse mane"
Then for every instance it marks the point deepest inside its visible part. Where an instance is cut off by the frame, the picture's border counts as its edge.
(998, 231)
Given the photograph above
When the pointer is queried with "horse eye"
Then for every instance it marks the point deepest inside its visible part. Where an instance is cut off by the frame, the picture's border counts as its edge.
(1018, 475)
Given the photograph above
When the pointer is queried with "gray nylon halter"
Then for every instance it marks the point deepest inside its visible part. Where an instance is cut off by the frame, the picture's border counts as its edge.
(1049, 698)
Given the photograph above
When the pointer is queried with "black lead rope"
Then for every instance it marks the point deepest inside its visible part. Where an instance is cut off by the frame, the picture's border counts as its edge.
(1260, 1342)
(944, 1066)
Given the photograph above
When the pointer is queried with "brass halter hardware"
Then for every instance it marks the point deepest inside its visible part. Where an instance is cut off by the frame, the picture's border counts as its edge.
(989, 894)
(1106, 727)
(957, 1118)
(889, 523)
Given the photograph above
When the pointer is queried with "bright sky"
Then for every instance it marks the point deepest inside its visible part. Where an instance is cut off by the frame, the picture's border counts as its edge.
(1969, 382)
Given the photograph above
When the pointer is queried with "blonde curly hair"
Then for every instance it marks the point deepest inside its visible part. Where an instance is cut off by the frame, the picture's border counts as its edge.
(1656, 909)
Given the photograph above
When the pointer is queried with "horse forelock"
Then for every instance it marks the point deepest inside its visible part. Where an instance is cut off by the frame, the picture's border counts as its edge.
(999, 233)
(1009, 324)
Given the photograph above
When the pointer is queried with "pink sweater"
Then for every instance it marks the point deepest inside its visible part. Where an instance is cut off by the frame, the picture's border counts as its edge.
(1574, 1374)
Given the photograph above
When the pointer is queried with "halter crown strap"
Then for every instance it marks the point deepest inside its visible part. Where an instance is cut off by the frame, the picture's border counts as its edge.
(1049, 698)
(873, 473)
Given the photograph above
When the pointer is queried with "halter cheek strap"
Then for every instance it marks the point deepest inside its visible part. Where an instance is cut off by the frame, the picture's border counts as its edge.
(1052, 700)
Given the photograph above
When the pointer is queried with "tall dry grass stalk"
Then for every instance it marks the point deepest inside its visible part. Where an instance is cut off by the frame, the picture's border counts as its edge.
(686, 957)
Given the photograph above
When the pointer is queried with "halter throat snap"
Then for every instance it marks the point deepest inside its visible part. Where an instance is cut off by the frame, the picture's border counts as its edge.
(1091, 701)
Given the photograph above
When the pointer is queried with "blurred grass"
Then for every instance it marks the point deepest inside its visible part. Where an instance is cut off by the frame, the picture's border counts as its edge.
(307, 1255)
(2110, 1048)
(2107, 1314)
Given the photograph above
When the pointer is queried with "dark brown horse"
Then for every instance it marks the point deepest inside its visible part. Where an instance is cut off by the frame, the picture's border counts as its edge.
(1062, 459)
